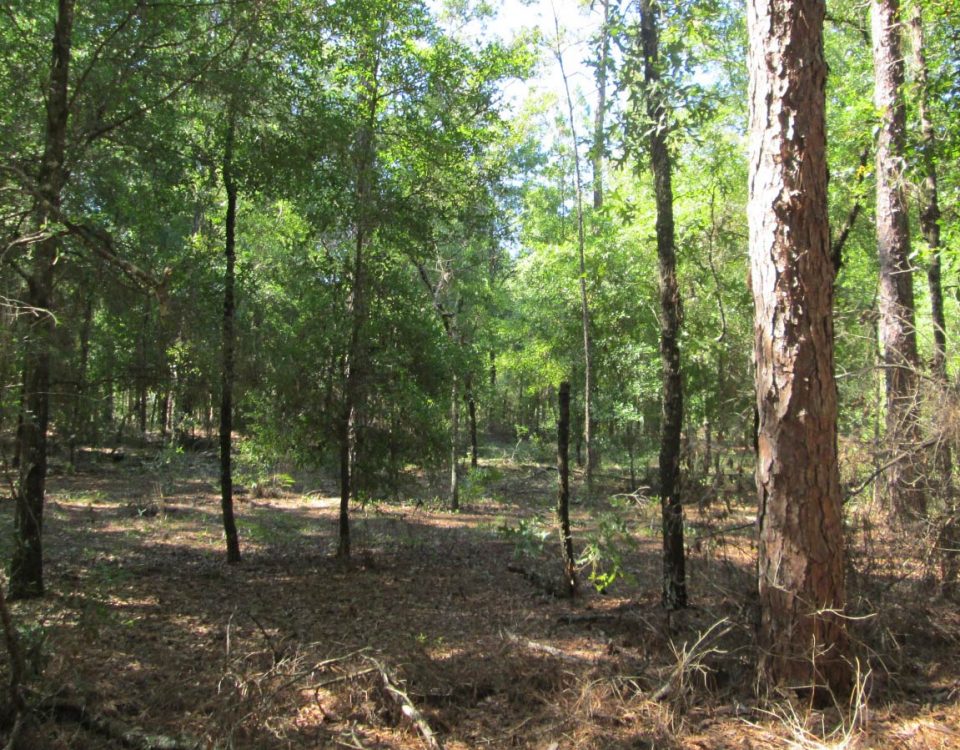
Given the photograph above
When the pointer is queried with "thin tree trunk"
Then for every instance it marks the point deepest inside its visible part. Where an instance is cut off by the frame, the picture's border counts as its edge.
(671, 423)
(472, 413)
(26, 567)
(365, 159)
(563, 494)
(599, 134)
(229, 344)
(454, 446)
(584, 307)
(80, 392)
(897, 328)
(804, 645)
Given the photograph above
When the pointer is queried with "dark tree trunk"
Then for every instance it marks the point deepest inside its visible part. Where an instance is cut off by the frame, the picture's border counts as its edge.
(454, 446)
(563, 494)
(229, 343)
(365, 161)
(472, 414)
(804, 644)
(671, 422)
(26, 567)
(897, 328)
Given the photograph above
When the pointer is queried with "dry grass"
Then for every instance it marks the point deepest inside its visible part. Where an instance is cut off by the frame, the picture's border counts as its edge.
(146, 625)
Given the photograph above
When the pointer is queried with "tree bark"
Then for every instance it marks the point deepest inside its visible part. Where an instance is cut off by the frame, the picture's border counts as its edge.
(229, 344)
(671, 422)
(563, 494)
(897, 328)
(26, 567)
(801, 554)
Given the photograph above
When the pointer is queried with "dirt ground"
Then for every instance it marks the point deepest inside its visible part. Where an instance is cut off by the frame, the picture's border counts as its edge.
(441, 631)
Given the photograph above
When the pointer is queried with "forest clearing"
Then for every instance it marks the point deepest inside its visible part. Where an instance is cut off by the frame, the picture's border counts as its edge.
(479, 373)
(150, 633)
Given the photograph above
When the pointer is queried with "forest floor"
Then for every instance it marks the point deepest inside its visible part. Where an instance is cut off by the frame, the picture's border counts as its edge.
(441, 630)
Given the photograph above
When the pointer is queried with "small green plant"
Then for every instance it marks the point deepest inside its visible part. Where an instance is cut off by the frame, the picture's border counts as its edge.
(603, 554)
(529, 536)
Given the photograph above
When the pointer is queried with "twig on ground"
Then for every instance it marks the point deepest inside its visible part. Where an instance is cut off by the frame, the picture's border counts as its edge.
(392, 685)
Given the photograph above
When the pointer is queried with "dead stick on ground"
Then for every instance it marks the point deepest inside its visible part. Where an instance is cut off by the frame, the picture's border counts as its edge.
(391, 684)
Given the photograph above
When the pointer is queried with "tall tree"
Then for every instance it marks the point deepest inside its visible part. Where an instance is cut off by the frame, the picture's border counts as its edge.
(671, 424)
(229, 342)
(898, 335)
(26, 568)
(801, 567)
(588, 388)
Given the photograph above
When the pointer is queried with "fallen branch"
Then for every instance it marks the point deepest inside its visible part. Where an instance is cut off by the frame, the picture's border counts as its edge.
(544, 648)
(691, 659)
(392, 685)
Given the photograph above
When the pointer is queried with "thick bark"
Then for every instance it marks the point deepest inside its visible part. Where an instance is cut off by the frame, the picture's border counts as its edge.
(229, 343)
(588, 426)
(563, 493)
(26, 567)
(897, 329)
(671, 422)
(801, 554)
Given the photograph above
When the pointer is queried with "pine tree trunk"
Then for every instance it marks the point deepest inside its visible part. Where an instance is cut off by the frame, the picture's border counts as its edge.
(563, 494)
(801, 555)
(671, 423)
(26, 566)
(897, 328)
(229, 343)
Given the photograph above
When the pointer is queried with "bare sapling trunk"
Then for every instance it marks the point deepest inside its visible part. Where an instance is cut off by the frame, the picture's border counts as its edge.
(671, 423)
(898, 335)
(804, 645)
(472, 416)
(588, 437)
(228, 347)
(563, 493)
(454, 446)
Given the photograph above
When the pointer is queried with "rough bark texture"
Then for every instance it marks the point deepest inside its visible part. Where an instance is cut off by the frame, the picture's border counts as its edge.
(671, 423)
(26, 567)
(563, 494)
(897, 329)
(801, 554)
(227, 365)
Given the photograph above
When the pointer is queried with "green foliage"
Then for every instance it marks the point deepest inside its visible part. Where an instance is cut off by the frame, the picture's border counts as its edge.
(605, 547)
(528, 537)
